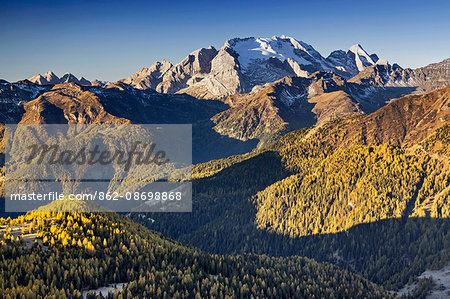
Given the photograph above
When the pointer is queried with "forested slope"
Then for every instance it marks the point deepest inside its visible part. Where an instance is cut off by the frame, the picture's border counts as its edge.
(59, 255)
(372, 198)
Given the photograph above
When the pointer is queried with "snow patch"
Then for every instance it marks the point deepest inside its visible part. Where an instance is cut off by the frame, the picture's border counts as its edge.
(441, 279)
(104, 290)
(288, 99)
(256, 49)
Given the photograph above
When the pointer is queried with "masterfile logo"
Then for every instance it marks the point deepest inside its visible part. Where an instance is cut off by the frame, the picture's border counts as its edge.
(118, 167)
(52, 154)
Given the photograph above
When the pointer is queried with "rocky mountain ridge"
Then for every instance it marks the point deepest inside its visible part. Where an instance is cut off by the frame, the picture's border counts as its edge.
(292, 103)
(70, 103)
(243, 63)
(271, 86)
(424, 79)
(50, 78)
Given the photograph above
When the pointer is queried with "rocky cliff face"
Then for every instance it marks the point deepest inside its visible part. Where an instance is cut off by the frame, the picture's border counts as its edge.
(353, 61)
(189, 71)
(433, 76)
(149, 77)
(167, 78)
(225, 77)
(213, 73)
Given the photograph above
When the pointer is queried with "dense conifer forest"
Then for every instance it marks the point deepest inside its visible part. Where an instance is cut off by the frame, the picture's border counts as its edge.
(62, 255)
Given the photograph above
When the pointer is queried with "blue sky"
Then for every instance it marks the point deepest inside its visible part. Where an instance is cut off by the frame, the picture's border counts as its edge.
(109, 40)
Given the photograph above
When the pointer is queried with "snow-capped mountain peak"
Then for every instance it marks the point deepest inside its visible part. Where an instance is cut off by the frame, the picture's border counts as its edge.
(243, 63)
(49, 74)
(383, 61)
(51, 77)
(358, 49)
(254, 50)
(362, 59)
